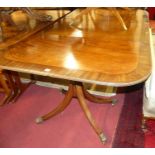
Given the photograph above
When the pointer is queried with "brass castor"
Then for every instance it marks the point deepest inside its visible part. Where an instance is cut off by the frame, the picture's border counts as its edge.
(114, 101)
(144, 125)
(103, 138)
(39, 120)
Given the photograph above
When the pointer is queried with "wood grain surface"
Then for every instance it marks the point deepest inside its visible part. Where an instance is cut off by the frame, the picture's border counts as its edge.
(24, 26)
(92, 47)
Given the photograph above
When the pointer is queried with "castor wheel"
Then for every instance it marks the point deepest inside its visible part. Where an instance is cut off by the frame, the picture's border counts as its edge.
(114, 101)
(39, 120)
(103, 138)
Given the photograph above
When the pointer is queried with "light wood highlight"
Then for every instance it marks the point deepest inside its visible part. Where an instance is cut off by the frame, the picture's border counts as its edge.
(25, 25)
(92, 48)
(101, 53)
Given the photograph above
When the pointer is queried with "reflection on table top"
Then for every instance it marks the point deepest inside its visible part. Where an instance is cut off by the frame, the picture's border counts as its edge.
(90, 47)
(20, 25)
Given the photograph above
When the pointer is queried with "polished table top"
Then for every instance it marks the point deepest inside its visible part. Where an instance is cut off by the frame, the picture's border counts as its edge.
(20, 25)
(87, 47)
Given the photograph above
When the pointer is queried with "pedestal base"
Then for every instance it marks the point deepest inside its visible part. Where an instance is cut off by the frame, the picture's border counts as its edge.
(76, 89)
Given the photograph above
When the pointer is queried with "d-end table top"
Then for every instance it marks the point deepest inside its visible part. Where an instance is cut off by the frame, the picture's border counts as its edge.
(88, 47)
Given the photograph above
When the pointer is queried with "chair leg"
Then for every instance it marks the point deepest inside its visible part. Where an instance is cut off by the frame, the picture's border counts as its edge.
(12, 85)
(6, 90)
(4, 83)
(17, 86)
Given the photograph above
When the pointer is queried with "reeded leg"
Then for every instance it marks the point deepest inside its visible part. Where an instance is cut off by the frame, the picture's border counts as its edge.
(66, 101)
(18, 85)
(12, 85)
(4, 101)
(96, 99)
(7, 98)
(80, 96)
(4, 84)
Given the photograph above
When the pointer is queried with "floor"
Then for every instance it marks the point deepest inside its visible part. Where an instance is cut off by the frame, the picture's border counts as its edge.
(68, 129)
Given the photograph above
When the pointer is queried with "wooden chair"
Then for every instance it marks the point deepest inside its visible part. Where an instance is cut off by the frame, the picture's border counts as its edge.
(11, 86)
(113, 10)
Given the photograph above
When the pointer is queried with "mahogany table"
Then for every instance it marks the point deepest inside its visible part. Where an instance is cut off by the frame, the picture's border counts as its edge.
(90, 47)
